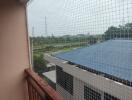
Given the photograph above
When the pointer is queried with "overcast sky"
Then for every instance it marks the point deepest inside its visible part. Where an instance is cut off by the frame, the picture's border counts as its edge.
(70, 17)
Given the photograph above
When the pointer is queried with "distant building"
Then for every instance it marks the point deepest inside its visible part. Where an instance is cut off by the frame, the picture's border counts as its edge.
(99, 72)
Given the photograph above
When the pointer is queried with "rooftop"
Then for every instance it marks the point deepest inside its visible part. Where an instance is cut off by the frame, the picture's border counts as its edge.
(51, 75)
(112, 57)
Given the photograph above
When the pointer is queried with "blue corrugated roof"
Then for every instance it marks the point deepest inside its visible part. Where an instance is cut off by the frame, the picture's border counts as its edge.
(113, 57)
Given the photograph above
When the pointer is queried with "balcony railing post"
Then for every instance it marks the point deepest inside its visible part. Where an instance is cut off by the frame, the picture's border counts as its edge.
(30, 90)
(39, 89)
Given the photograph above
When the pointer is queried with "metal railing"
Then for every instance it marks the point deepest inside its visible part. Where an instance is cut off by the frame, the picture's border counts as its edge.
(39, 89)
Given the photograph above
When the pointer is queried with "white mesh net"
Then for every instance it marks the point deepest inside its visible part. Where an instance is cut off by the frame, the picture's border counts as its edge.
(94, 37)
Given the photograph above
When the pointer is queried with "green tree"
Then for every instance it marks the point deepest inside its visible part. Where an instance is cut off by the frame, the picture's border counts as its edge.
(39, 63)
(122, 31)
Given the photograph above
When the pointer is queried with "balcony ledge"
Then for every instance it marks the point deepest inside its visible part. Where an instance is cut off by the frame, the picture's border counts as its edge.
(36, 85)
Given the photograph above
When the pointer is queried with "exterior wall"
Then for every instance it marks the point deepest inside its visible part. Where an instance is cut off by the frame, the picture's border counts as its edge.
(66, 95)
(14, 53)
(111, 87)
(78, 89)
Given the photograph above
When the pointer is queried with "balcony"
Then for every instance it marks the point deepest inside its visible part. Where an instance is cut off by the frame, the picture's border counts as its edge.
(38, 89)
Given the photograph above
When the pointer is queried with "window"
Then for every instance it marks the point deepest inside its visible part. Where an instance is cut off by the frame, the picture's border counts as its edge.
(109, 97)
(64, 79)
(90, 94)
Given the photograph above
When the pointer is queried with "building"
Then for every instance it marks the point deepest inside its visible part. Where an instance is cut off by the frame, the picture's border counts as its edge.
(102, 71)
(15, 57)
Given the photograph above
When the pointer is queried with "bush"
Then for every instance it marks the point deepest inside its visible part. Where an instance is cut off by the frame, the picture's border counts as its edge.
(39, 63)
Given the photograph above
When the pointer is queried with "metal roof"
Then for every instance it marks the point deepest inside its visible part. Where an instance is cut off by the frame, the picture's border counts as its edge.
(113, 57)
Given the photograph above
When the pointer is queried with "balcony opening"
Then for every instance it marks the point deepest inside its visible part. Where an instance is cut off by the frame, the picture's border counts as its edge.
(90, 41)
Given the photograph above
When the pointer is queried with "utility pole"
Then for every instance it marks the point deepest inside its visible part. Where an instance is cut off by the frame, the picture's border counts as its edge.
(46, 32)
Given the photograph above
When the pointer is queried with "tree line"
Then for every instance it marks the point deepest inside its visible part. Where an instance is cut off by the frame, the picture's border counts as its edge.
(121, 31)
(64, 39)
